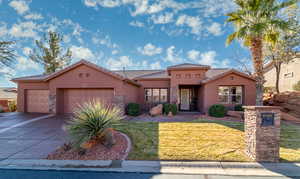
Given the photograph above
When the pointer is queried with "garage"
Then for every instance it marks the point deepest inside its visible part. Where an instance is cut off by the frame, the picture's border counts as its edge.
(74, 97)
(37, 101)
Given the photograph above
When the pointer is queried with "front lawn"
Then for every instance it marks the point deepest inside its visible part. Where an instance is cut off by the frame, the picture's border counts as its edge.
(199, 140)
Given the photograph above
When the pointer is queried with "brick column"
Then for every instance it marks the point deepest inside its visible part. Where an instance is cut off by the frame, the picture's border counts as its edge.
(262, 132)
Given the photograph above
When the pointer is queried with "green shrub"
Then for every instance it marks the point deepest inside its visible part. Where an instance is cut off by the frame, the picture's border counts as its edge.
(90, 121)
(296, 86)
(217, 110)
(1, 109)
(133, 109)
(12, 106)
(238, 107)
(269, 89)
(170, 107)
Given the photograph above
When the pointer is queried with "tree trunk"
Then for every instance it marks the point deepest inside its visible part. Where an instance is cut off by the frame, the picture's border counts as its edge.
(278, 69)
(256, 51)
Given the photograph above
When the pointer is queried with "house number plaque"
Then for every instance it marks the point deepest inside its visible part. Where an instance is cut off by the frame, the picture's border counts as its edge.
(267, 119)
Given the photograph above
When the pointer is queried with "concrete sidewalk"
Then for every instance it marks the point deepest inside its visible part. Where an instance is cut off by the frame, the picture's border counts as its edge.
(204, 168)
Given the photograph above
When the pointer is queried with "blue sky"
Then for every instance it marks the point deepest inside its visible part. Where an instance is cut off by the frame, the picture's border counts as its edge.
(135, 34)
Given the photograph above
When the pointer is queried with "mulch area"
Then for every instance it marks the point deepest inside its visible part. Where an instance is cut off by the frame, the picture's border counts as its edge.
(97, 152)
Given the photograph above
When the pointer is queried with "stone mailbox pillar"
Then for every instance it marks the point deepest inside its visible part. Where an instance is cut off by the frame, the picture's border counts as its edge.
(262, 132)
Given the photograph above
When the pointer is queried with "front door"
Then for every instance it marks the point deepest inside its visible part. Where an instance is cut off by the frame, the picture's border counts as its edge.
(185, 94)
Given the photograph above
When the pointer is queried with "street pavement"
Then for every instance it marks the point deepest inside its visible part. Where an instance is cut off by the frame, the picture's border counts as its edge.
(53, 174)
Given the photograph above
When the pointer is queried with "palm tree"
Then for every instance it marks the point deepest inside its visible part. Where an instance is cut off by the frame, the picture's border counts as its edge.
(257, 22)
(7, 56)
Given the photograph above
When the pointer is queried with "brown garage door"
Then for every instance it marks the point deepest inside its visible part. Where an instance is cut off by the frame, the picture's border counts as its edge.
(37, 101)
(75, 97)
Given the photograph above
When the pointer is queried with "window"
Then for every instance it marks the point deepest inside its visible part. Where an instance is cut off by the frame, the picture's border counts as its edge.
(156, 95)
(288, 75)
(178, 76)
(230, 94)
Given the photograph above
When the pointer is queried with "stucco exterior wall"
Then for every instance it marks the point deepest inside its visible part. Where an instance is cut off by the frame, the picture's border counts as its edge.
(184, 77)
(290, 74)
(80, 77)
(210, 96)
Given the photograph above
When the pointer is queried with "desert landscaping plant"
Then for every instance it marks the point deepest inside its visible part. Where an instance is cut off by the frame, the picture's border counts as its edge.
(296, 86)
(91, 121)
(12, 106)
(133, 109)
(167, 108)
(217, 110)
(238, 107)
(1, 109)
(257, 22)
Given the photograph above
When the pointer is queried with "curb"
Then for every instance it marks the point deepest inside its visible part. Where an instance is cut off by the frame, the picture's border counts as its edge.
(159, 167)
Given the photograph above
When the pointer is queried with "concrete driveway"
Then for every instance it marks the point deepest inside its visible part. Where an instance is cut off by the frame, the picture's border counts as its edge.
(33, 140)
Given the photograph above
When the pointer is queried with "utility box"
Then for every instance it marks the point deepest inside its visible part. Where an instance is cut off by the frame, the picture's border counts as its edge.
(262, 133)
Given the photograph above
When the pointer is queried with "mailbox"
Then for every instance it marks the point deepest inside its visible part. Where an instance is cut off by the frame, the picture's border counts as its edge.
(267, 119)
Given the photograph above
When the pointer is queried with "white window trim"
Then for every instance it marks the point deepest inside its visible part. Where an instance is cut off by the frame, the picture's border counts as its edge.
(230, 95)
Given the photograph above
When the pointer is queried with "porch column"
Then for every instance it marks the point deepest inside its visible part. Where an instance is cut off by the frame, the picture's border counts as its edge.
(174, 94)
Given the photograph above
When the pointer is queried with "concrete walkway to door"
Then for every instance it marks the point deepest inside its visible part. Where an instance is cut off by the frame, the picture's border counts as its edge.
(33, 140)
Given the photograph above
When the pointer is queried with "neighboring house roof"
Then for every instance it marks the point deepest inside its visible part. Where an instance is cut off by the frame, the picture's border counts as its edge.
(8, 93)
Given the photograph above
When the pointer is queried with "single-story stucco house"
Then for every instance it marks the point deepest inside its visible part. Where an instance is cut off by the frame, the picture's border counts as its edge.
(193, 87)
(7, 95)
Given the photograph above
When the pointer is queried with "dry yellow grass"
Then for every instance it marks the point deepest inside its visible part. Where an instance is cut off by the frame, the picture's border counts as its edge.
(200, 140)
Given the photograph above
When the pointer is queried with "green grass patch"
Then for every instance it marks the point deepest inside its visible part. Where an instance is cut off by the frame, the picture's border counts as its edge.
(209, 140)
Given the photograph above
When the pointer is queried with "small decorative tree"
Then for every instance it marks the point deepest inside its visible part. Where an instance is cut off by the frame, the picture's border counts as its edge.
(49, 53)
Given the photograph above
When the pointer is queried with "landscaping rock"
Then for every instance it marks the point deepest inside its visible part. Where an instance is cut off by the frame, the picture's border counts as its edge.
(157, 110)
(289, 101)
(238, 114)
(108, 139)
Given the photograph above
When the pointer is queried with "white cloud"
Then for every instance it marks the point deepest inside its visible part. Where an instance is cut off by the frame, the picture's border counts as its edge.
(90, 3)
(79, 52)
(26, 64)
(137, 24)
(127, 63)
(215, 29)
(140, 6)
(155, 65)
(194, 23)
(34, 16)
(208, 58)
(117, 64)
(24, 29)
(114, 52)
(172, 56)
(106, 41)
(20, 6)
(149, 50)
(193, 54)
(27, 51)
(216, 8)
(162, 18)
(3, 29)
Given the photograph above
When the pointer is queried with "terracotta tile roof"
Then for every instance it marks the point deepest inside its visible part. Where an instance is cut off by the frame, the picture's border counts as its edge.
(215, 72)
(131, 74)
(159, 74)
(188, 65)
(8, 93)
